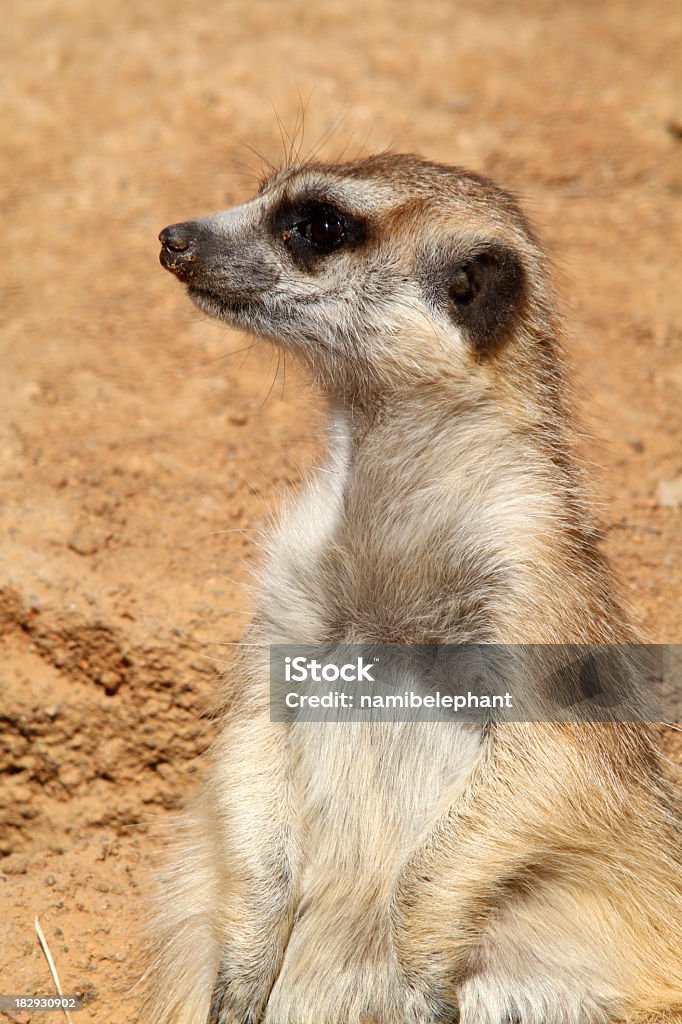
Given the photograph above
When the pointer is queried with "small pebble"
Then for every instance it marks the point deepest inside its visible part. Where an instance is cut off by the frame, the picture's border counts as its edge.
(88, 539)
(14, 865)
(669, 493)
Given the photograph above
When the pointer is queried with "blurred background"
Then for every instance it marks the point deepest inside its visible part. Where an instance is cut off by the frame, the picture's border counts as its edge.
(142, 448)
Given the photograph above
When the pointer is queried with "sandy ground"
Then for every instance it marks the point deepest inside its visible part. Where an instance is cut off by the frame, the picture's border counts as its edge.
(140, 446)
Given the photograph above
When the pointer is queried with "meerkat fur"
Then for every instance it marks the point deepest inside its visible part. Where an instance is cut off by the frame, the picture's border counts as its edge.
(405, 873)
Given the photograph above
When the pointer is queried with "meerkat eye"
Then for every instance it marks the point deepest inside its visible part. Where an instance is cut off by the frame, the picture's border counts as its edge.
(323, 228)
(312, 229)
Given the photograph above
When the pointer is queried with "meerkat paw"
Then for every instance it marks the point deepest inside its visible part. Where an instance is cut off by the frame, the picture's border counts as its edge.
(240, 993)
(488, 998)
(228, 1008)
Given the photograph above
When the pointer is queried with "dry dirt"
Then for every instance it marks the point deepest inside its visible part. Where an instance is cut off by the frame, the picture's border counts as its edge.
(140, 446)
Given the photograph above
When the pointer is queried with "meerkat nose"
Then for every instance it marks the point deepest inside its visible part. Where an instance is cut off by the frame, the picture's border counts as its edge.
(178, 248)
(177, 238)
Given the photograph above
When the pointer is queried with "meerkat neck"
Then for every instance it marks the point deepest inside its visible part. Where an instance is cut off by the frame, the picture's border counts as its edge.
(464, 524)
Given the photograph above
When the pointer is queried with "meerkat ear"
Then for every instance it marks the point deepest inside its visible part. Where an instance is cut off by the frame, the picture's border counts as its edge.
(484, 292)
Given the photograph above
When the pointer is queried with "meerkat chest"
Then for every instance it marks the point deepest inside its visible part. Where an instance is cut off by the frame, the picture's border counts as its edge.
(344, 567)
(368, 793)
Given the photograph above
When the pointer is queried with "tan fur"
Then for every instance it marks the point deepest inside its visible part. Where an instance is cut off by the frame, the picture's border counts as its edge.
(407, 873)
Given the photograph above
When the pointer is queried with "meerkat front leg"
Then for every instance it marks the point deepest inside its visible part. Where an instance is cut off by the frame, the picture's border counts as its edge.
(340, 965)
(227, 900)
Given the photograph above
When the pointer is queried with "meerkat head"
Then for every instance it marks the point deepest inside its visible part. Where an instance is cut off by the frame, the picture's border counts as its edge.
(380, 273)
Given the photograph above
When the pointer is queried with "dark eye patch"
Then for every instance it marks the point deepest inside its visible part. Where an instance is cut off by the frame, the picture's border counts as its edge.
(481, 292)
(313, 229)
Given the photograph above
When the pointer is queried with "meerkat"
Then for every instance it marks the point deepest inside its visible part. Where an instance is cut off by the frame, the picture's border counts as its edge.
(406, 873)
